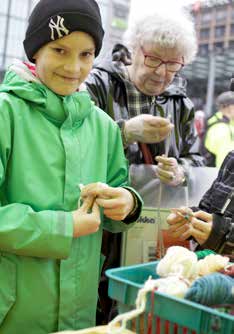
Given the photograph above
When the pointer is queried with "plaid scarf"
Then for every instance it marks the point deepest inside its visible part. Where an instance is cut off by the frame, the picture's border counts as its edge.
(138, 103)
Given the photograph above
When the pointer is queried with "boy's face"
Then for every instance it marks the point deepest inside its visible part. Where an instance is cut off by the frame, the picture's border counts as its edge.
(62, 65)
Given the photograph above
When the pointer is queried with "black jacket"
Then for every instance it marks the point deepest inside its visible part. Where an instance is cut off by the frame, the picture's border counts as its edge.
(221, 192)
(106, 85)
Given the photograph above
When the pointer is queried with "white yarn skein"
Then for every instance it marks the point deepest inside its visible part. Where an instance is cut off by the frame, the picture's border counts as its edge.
(212, 263)
(173, 285)
(178, 261)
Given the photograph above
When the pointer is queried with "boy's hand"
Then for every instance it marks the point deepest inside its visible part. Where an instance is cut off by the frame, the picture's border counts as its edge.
(86, 219)
(116, 202)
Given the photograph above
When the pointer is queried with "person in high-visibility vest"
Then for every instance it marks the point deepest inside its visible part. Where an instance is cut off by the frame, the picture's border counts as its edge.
(219, 139)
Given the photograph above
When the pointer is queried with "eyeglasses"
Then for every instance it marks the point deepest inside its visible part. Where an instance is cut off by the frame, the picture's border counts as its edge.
(155, 62)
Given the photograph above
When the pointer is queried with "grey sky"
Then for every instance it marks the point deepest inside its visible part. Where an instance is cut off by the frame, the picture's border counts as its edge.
(139, 6)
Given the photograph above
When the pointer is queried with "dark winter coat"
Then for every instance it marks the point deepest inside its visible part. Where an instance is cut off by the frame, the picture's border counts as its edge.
(106, 85)
(218, 196)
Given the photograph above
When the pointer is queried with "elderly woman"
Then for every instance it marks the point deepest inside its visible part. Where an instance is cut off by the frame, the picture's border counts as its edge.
(139, 96)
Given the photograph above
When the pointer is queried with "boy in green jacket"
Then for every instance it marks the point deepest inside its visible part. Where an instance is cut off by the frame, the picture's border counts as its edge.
(53, 140)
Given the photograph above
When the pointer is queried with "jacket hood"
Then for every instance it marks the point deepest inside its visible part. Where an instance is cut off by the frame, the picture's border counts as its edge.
(20, 81)
(116, 69)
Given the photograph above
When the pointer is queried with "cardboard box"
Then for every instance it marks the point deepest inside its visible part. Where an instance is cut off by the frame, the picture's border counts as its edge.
(140, 242)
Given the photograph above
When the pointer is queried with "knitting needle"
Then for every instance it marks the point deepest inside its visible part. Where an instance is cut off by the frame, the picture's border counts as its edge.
(187, 215)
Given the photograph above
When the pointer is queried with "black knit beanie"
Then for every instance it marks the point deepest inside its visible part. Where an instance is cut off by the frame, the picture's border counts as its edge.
(53, 19)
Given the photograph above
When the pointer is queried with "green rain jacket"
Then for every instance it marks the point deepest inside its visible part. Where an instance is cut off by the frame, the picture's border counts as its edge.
(49, 144)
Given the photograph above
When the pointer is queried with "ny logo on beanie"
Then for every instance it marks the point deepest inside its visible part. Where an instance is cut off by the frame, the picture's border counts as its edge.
(58, 27)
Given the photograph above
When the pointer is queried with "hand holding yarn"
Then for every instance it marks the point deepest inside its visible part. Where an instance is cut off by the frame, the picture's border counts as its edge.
(116, 202)
(185, 223)
(169, 171)
(180, 223)
(86, 219)
(201, 226)
(146, 128)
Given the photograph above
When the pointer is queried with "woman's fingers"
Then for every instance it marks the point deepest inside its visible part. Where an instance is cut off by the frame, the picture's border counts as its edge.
(200, 225)
(165, 160)
(176, 231)
(173, 218)
(205, 216)
(201, 229)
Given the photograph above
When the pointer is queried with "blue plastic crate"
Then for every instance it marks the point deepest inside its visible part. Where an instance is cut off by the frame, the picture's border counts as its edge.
(171, 315)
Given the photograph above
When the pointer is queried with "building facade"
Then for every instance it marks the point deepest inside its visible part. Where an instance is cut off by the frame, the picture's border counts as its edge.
(210, 73)
(115, 20)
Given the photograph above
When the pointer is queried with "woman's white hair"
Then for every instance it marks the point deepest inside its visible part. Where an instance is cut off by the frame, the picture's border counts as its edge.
(170, 29)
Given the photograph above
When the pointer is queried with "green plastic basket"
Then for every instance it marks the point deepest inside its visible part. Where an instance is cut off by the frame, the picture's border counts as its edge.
(166, 314)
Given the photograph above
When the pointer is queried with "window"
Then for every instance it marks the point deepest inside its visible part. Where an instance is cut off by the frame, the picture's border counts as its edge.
(203, 49)
(3, 32)
(4, 6)
(221, 15)
(19, 8)
(104, 14)
(231, 45)
(204, 33)
(232, 30)
(219, 31)
(218, 46)
(232, 14)
(206, 17)
(15, 38)
(120, 11)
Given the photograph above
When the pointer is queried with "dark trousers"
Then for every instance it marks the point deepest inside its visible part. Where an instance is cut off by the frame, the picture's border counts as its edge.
(111, 247)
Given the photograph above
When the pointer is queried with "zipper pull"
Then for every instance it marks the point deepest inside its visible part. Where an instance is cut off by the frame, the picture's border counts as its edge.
(152, 105)
(153, 100)
(228, 201)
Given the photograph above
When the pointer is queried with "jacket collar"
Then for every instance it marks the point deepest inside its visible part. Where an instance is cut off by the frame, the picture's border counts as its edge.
(22, 82)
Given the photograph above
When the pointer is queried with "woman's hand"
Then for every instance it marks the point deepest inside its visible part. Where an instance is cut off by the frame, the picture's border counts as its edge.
(169, 171)
(146, 128)
(180, 223)
(185, 223)
(201, 226)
